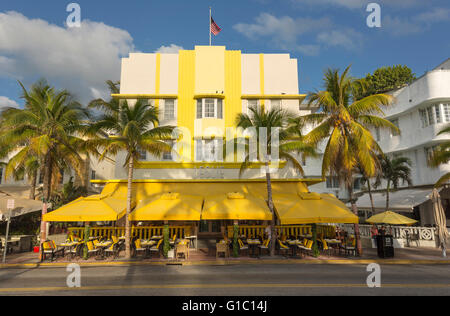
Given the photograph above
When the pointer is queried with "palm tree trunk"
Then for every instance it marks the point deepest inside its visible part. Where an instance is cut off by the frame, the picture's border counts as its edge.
(127, 220)
(33, 186)
(387, 195)
(273, 238)
(46, 195)
(355, 211)
(369, 188)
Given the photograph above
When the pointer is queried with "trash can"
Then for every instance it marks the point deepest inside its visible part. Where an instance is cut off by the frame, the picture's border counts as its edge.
(385, 246)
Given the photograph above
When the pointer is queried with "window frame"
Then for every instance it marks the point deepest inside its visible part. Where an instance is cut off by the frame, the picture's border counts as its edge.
(202, 109)
(173, 111)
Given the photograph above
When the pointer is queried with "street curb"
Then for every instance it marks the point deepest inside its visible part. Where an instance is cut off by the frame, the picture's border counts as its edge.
(227, 263)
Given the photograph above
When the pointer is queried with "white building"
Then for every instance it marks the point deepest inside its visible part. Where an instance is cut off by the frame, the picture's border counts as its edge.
(421, 109)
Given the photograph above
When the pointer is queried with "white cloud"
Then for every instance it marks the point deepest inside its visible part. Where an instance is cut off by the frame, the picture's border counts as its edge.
(79, 59)
(287, 33)
(346, 38)
(171, 49)
(415, 24)
(7, 102)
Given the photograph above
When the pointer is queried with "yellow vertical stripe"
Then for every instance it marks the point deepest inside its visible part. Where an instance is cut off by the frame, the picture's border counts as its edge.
(186, 110)
(261, 76)
(158, 77)
(233, 87)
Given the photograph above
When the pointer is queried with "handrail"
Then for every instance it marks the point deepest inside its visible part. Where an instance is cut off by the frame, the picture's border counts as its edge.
(142, 232)
(251, 231)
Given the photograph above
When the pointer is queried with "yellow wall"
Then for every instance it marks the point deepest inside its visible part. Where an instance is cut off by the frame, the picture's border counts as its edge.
(209, 69)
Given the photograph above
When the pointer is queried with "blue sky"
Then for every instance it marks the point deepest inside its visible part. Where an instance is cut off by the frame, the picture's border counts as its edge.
(35, 43)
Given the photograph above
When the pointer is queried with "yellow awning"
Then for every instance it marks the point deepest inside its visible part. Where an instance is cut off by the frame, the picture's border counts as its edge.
(96, 208)
(235, 206)
(390, 218)
(169, 207)
(311, 208)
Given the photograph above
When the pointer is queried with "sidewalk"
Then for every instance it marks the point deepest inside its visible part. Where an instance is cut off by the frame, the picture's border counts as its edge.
(201, 257)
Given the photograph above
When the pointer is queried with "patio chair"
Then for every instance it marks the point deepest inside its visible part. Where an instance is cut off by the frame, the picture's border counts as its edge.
(325, 247)
(138, 248)
(265, 246)
(283, 249)
(306, 249)
(349, 247)
(49, 248)
(91, 250)
(75, 251)
(182, 249)
(156, 248)
(113, 250)
(222, 248)
(172, 242)
(242, 247)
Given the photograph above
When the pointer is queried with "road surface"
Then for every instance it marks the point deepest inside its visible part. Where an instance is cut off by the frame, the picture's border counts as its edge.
(246, 280)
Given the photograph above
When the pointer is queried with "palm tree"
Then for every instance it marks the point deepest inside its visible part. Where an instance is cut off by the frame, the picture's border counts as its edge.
(441, 156)
(129, 128)
(366, 179)
(48, 127)
(394, 170)
(290, 140)
(344, 123)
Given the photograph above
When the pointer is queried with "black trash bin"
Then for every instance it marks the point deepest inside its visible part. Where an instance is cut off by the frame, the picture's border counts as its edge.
(385, 246)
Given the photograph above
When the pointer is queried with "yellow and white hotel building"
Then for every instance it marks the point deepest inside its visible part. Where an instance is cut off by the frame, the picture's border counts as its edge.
(203, 90)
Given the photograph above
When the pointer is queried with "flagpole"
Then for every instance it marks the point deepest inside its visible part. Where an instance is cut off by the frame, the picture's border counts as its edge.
(210, 26)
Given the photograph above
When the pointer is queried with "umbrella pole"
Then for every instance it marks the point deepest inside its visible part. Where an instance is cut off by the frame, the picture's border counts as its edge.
(6, 238)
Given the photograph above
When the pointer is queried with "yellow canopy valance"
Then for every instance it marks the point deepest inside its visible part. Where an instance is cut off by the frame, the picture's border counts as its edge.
(324, 208)
(235, 206)
(96, 208)
(169, 207)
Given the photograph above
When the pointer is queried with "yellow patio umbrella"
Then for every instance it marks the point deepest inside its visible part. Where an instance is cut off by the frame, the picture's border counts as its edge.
(96, 208)
(310, 208)
(235, 206)
(168, 207)
(390, 218)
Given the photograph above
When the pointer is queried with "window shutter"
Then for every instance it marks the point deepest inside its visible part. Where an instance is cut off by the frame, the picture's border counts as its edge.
(219, 109)
(199, 108)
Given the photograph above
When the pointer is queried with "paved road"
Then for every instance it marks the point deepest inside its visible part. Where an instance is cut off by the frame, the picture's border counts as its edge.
(260, 280)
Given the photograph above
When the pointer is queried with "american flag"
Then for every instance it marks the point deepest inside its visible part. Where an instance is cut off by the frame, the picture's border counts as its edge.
(215, 29)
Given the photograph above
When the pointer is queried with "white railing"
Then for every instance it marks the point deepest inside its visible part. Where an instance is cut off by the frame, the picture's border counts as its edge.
(424, 233)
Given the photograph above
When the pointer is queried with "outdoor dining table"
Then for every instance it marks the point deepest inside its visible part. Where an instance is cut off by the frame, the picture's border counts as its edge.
(102, 246)
(147, 244)
(156, 237)
(253, 245)
(68, 246)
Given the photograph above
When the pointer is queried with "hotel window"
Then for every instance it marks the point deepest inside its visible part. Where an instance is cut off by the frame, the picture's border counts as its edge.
(1, 175)
(93, 175)
(437, 112)
(357, 184)
(423, 117)
(429, 151)
(168, 154)
(377, 134)
(251, 104)
(41, 177)
(275, 104)
(395, 122)
(142, 154)
(333, 183)
(207, 150)
(169, 109)
(210, 108)
(446, 107)
(430, 115)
